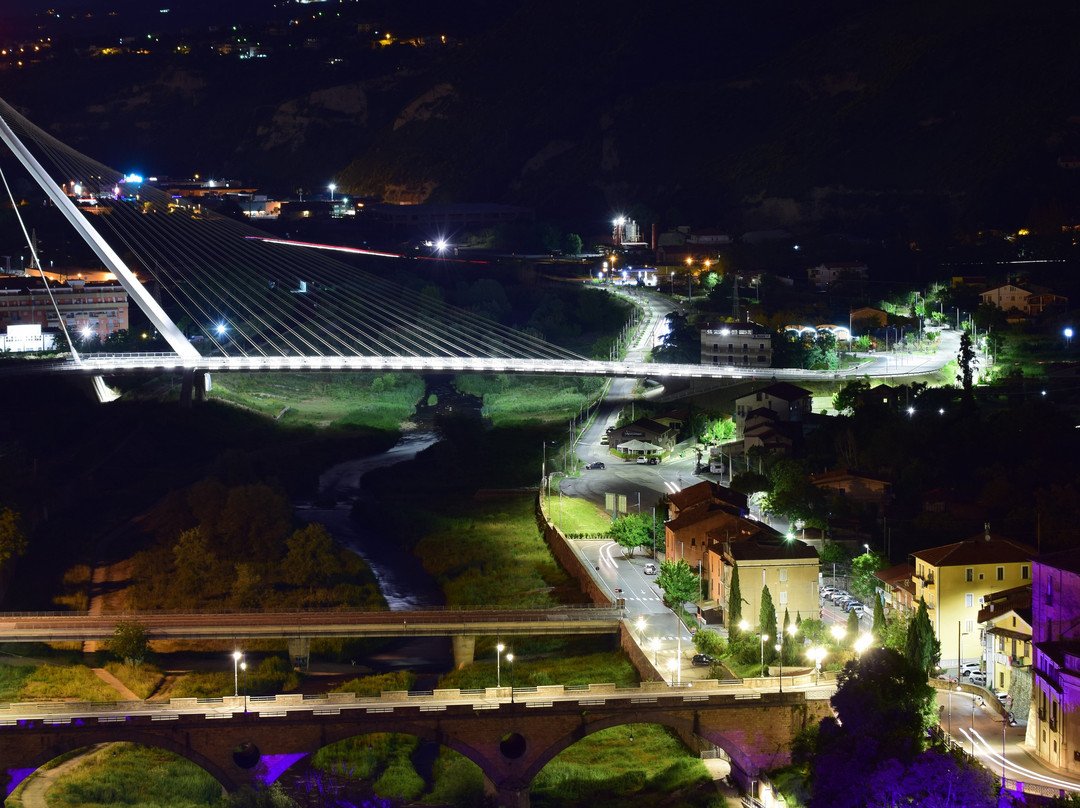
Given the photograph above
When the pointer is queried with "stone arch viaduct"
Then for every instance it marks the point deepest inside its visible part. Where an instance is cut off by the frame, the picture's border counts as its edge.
(509, 735)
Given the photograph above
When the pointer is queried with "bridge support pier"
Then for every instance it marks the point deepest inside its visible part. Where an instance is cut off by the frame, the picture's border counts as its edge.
(507, 795)
(195, 383)
(464, 650)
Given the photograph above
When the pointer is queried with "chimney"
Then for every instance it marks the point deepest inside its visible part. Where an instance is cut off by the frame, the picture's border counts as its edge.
(986, 526)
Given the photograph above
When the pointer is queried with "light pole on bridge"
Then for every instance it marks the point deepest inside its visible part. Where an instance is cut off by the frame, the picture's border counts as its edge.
(236, 657)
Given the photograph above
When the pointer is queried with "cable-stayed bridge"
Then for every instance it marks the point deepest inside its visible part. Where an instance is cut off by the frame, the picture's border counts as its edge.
(248, 302)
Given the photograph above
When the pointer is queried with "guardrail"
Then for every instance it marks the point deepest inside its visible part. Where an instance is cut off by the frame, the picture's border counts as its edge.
(12, 712)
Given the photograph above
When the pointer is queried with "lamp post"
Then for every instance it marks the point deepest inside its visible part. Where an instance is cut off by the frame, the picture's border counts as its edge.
(498, 664)
(816, 653)
(510, 659)
(333, 188)
(655, 648)
(236, 655)
(1068, 337)
(838, 633)
(243, 667)
(640, 623)
(862, 643)
(673, 666)
(780, 653)
(763, 638)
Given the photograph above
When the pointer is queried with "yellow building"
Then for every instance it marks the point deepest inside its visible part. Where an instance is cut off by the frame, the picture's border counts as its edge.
(1006, 621)
(788, 567)
(953, 579)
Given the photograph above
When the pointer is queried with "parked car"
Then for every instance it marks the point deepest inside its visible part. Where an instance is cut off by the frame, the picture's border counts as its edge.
(978, 678)
(859, 609)
(596, 464)
(826, 590)
(703, 659)
(603, 440)
(650, 569)
(642, 461)
(610, 429)
(654, 461)
(968, 668)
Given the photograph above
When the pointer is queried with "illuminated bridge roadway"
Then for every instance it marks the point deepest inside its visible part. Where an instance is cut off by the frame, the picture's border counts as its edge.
(98, 364)
(510, 733)
(461, 625)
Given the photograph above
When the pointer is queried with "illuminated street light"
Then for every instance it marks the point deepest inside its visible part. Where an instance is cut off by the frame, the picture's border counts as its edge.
(243, 667)
(510, 659)
(838, 633)
(673, 666)
(333, 188)
(640, 623)
(816, 653)
(236, 656)
(498, 664)
(1068, 337)
(221, 329)
(763, 638)
(655, 644)
(780, 653)
(862, 643)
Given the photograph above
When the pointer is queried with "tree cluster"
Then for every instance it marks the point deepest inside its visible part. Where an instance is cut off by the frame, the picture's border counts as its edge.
(238, 545)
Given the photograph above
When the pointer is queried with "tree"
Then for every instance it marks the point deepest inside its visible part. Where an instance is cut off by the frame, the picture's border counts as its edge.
(707, 641)
(845, 400)
(571, 244)
(194, 564)
(787, 641)
(967, 361)
(716, 430)
(312, 556)
(631, 531)
(923, 649)
(12, 538)
(678, 582)
(129, 642)
(883, 707)
(932, 780)
(863, 567)
(734, 603)
(852, 625)
(878, 629)
(767, 621)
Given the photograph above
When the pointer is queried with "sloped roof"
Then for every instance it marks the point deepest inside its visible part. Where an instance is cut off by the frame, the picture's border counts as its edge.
(981, 549)
(1064, 560)
(702, 510)
(704, 491)
(894, 575)
(785, 391)
(770, 550)
(840, 474)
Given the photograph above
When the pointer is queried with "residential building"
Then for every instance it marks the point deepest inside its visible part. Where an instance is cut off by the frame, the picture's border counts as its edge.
(1053, 732)
(789, 402)
(788, 567)
(1027, 299)
(1006, 621)
(824, 274)
(702, 514)
(893, 586)
(643, 437)
(736, 345)
(857, 487)
(87, 307)
(763, 428)
(953, 577)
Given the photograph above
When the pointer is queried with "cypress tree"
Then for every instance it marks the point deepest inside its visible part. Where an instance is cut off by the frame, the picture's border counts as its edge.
(878, 628)
(767, 621)
(734, 604)
(922, 648)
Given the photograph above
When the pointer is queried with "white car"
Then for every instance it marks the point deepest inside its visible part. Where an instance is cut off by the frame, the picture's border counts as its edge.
(968, 668)
(977, 678)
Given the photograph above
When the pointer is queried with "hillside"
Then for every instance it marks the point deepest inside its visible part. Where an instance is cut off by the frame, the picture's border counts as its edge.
(907, 121)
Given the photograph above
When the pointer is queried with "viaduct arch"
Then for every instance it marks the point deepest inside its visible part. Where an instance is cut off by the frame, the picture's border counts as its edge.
(509, 742)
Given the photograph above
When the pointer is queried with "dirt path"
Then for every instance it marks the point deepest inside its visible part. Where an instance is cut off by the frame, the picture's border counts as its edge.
(107, 586)
(38, 783)
(115, 684)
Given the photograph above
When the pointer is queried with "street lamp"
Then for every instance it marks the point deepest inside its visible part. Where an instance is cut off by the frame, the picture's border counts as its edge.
(838, 633)
(333, 188)
(510, 659)
(498, 664)
(816, 653)
(862, 643)
(763, 638)
(1068, 337)
(673, 666)
(655, 647)
(236, 656)
(640, 623)
(243, 667)
(779, 652)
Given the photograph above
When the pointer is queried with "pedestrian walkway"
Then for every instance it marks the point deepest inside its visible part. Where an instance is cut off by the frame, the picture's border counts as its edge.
(115, 684)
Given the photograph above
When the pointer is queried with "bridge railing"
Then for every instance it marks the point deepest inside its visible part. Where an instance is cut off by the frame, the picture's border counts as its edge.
(745, 688)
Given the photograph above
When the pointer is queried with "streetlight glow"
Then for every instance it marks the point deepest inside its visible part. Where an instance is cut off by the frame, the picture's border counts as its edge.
(236, 655)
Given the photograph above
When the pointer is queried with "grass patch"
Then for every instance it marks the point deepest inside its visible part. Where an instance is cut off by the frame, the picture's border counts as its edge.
(577, 516)
(379, 683)
(377, 401)
(634, 765)
(142, 680)
(52, 682)
(611, 667)
(493, 555)
(130, 774)
(272, 676)
(523, 400)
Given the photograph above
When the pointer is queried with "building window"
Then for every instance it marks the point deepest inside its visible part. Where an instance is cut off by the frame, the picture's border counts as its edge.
(783, 598)
(969, 626)
(1001, 573)
(969, 600)
(1024, 572)
(969, 574)
(783, 573)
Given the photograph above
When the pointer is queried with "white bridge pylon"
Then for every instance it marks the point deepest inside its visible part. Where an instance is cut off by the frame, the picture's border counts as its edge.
(165, 326)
